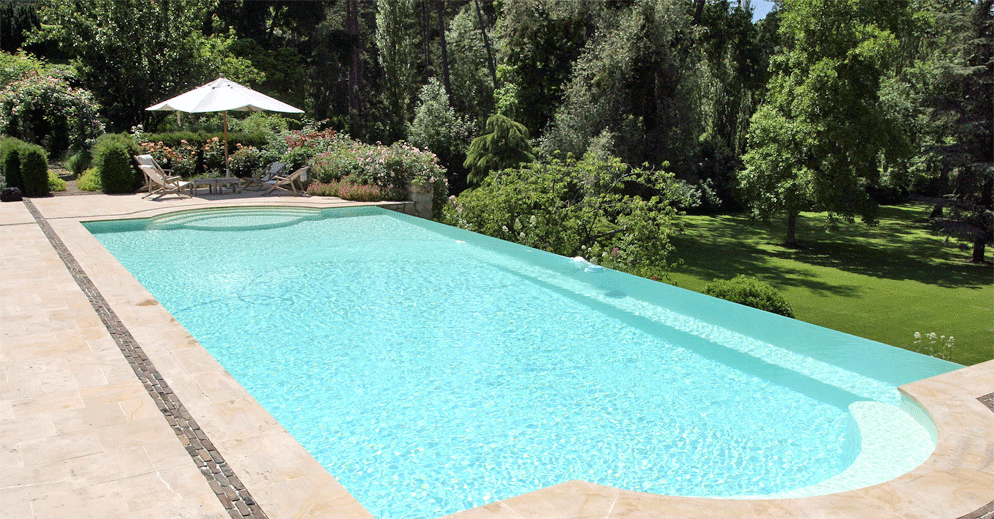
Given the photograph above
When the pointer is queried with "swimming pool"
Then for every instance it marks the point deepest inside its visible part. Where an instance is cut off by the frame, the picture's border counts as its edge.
(431, 370)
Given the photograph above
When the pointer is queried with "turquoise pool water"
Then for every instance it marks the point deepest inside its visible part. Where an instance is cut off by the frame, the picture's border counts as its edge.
(432, 370)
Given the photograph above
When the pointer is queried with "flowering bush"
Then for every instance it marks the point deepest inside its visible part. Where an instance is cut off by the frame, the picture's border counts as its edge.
(577, 208)
(245, 161)
(182, 160)
(47, 110)
(392, 168)
(213, 153)
(347, 189)
(938, 346)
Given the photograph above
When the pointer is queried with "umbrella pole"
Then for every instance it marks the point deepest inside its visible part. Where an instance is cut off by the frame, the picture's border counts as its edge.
(227, 172)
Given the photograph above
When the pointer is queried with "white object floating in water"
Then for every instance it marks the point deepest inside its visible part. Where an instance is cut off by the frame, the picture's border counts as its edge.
(594, 268)
(460, 241)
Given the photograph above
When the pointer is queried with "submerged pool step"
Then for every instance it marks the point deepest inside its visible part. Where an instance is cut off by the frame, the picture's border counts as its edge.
(234, 219)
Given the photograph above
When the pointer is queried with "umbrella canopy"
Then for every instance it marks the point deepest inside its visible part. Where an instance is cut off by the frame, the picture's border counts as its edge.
(223, 95)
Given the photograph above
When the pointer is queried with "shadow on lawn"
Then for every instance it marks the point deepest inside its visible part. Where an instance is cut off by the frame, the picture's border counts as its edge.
(899, 248)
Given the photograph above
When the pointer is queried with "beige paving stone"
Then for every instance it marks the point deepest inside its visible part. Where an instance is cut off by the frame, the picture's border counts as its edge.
(51, 472)
(16, 509)
(135, 433)
(219, 386)
(233, 419)
(572, 499)
(139, 408)
(92, 501)
(30, 494)
(314, 496)
(117, 392)
(292, 463)
(67, 446)
(107, 466)
(171, 489)
(19, 429)
(496, 510)
(168, 454)
(90, 417)
(47, 403)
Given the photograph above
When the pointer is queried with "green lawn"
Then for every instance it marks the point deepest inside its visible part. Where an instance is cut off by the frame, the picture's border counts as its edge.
(884, 282)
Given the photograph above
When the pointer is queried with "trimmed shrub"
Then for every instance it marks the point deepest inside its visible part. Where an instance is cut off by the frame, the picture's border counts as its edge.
(175, 139)
(750, 291)
(55, 183)
(89, 180)
(10, 161)
(34, 170)
(79, 162)
(112, 158)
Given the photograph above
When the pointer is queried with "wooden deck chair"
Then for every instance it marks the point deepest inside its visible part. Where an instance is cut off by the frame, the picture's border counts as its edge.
(260, 179)
(161, 184)
(295, 181)
(148, 160)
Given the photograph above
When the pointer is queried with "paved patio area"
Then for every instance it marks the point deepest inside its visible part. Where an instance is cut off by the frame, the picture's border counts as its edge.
(109, 408)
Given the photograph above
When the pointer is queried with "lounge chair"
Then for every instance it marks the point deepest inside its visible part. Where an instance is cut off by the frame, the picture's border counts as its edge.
(148, 160)
(295, 181)
(161, 184)
(273, 170)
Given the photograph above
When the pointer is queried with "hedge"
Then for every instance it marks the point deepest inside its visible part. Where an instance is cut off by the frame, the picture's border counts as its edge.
(34, 170)
(24, 166)
(174, 139)
(112, 157)
(10, 161)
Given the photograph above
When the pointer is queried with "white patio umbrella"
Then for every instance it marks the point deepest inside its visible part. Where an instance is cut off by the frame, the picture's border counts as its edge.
(223, 95)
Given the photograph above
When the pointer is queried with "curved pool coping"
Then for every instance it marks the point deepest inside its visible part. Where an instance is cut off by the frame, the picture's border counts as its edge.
(956, 481)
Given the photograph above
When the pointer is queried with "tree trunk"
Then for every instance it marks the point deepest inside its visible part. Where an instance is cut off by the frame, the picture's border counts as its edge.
(979, 251)
(446, 82)
(698, 12)
(486, 45)
(355, 72)
(426, 35)
(791, 230)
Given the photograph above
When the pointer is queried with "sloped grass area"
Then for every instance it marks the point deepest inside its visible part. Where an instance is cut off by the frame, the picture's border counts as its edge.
(882, 282)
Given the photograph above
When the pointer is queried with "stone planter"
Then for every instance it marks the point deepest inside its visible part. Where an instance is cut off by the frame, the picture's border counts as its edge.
(422, 198)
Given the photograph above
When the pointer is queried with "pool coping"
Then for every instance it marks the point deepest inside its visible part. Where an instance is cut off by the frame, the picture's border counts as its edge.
(957, 480)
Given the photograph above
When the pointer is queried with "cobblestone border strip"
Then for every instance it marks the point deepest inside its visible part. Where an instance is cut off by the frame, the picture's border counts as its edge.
(229, 490)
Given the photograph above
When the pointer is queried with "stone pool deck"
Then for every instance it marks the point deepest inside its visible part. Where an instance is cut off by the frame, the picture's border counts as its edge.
(109, 408)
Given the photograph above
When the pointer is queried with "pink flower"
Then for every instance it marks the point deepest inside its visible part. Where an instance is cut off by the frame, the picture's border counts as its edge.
(615, 253)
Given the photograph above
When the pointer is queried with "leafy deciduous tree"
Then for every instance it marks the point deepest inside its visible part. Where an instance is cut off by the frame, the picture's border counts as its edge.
(816, 143)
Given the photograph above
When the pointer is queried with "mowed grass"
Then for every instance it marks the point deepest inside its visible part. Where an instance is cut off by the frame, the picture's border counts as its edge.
(882, 282)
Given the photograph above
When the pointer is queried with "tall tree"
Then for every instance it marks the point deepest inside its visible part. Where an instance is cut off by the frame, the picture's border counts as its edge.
(16, 20)
(963, 110)
(397, 40)
(634, 80)
(816, 142)
(444, 48)
(538, 42)
(472, 88)
(134, 54)
(355, 68)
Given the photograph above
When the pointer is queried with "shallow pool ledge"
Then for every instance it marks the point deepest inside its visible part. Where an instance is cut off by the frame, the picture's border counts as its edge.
(956, 482)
